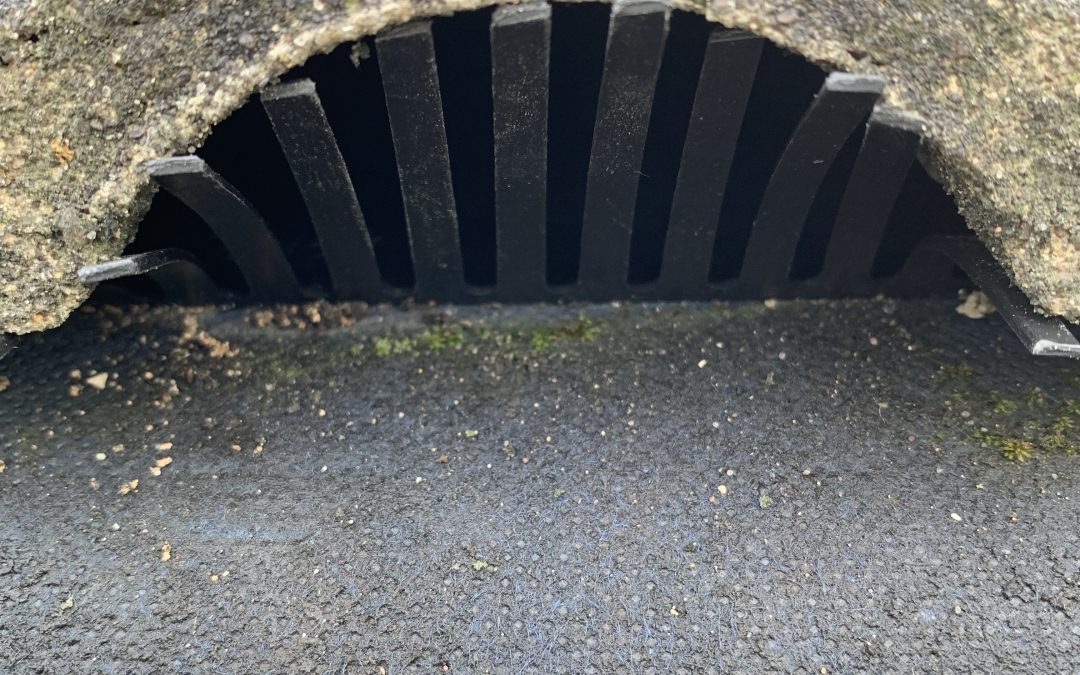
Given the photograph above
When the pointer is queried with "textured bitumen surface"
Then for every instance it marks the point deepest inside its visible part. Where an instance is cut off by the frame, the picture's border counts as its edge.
(540, 497)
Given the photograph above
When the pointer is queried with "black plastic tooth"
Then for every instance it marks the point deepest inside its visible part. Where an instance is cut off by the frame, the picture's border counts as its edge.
(1041, 335)
(844, 101)
(414, 103)
(235, 222)
(308, 142)
(175, 271)
(884, 159)
(520, 55)
(635, 44)
(723, 89)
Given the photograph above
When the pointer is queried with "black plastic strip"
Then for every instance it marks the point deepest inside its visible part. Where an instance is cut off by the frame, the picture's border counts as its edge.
(843, 102)
(723, 89)
(411, 83)
(520, 54)
(635, 45)
(243, 232)
(886, 154)
(1041, 335)
(308, 142)
(174, 270)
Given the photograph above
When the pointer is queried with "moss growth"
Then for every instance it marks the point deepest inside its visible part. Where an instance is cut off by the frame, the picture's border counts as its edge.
(1061, 436)
(1017, 450)
(443, 337)
(959, 371)
(1012, 448)
(1021, 437)
(1035, 397)
(457, 336)
(582, 329)
(1002, 405)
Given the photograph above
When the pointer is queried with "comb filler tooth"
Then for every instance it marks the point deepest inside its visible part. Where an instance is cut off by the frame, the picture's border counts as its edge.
(843, 101)
(240, 228)
(308, 142)
(520, 54)
(174, 270)
(886, 154)
(414, 103)
(635, 44)
(723, 89)
(1041, 335)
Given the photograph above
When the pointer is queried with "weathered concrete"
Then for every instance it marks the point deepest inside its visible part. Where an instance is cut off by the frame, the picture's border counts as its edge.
(91, 90)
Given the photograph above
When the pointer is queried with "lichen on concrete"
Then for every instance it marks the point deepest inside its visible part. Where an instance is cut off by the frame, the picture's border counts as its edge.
(91, 89)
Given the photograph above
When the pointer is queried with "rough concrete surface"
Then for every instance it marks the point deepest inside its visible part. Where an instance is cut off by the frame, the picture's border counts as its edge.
(91, 90)
(670, 488)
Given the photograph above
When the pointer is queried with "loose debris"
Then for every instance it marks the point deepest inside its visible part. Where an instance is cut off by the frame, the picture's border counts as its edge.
(166, 552)
(128, 487)
(62, 151)
(216, 348)
(160, 464)
(976, 306)
(320, 314)
(98, 381)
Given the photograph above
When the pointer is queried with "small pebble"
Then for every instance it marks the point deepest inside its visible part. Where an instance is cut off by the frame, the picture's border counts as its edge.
(787, 17)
